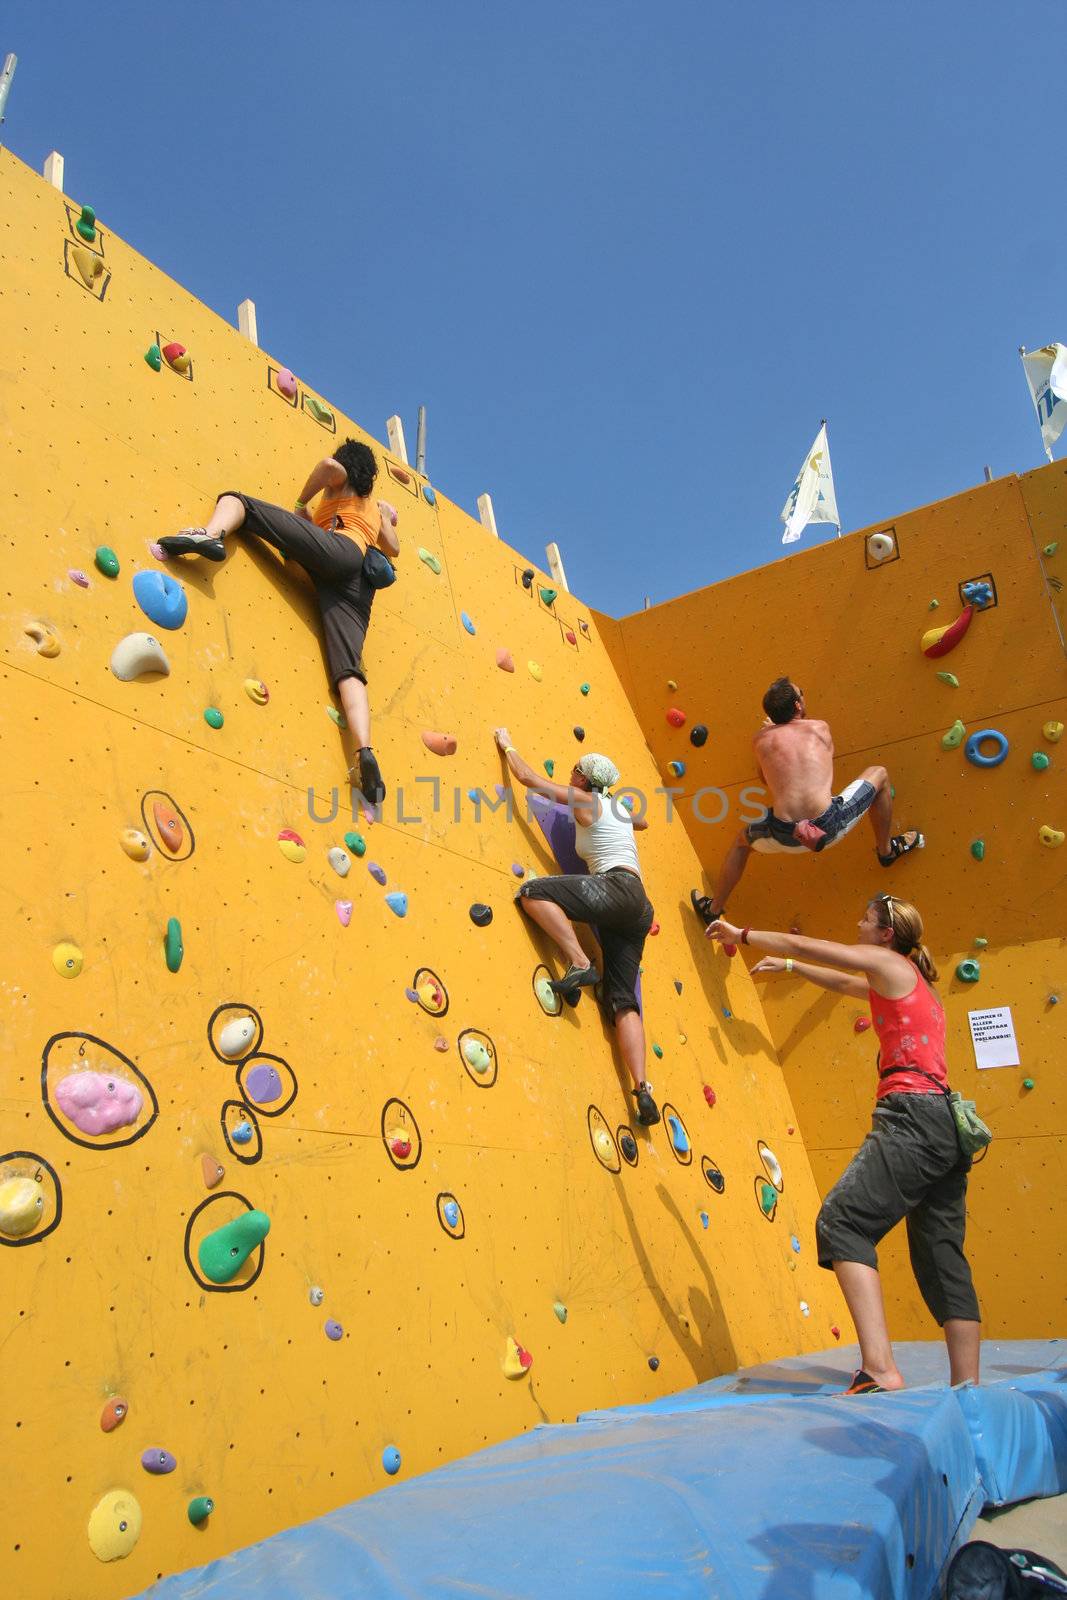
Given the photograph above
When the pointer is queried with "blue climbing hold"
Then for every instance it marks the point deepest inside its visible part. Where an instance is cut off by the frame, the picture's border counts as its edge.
(397, 902)
(977, 593)
(467, 623)
(428, 495)
(450, 1212)
(679, 1137)
(161, 598)
(977, 756)
(727, 1013)
(795, 1242)
(241, 1133)
(391, 1455)
(704, 1219)
(677, 769)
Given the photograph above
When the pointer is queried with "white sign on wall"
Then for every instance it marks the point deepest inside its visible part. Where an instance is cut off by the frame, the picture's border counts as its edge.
(993, 1037)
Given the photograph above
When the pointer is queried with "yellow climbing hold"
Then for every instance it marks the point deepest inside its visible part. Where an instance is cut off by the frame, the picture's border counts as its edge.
(21, 1206)
(517, 1361)
(114, 1525)
(535, 671)
(45, 638)
(89, 265)
(1053, 732)
(603, 1143)
(135, 844)
(257, 691)
(68, 960)
(291, 845)
(1053, 837)
(954, 736)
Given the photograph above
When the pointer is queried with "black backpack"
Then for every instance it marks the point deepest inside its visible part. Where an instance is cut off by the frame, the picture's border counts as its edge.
(981, 1571)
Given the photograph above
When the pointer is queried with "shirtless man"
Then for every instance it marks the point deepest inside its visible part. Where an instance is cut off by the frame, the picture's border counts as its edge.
(795, 758)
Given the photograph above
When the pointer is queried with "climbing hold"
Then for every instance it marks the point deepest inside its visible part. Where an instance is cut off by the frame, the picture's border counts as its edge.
(528, 577)
(794, 1243)
(698, 735)
(679, 1137)
(441, 1043)
(861, 1024)
(709, 1094)
(548, 595)
(980, 944)
(170, 829)
(339, 860)
(977, 592)
(86, 224)
(568, 634)
(113, 1414)
(1028, 1083)
(399, 1144)
(89, 265)
(677, 769)
(968, 971)
(377, 873)
(978, 849)
(114, 1525)
(653, 1363)
(560, 1310)
(657, 1050)
(257, 691)
(476, 1055)
(671, 685)
(583, 688)
(628, 1146)
(333, 1330)
(212, 1171)
(550, 767)
(579, 734)
(67, 960)
(428, 495)
(440, 744)
(950, 678)
(704, 1219)
(430, 560)
(107, 561)
(481, 915)
(76, 575)
(1050, 549)
(880, 546)
(286, 383)
(316, 1295)
(535, 670)
(939, 641)
(138, 653)
(236, 1036)
(677, 985)
(158, 1461)
(173, 353)
(547, 998)
(241, 1133)
(768, 1198)
(954, 736)
(45, 638)
(398, 903)
(517, 1361)
(451, 1213)
(320, 412)
(1039, 761)
(1053, 1000)
(1052, 837)
(213, 717)
(652, 932)
(805, 1309)
(1053, 732)
(676, 718)
(199, 1509)
(154, 356)
(263, 1084)
(21, 1206)
(978, 757)
(467, 623)
(134, 843)
(335, 716)
(604, 1144)
(356, 843)
(173, 948)
(224, 1252)
(504, 661)
(291, 845)
(391, 1455)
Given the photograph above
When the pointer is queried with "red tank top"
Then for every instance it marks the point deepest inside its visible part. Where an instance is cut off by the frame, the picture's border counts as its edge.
(911, 1034)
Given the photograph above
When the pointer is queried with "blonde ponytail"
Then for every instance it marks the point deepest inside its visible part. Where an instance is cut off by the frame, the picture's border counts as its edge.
(907, 926)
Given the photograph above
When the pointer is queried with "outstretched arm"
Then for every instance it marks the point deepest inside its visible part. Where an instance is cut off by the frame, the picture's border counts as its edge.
(877, 961)
(824, 977)
(562, 793)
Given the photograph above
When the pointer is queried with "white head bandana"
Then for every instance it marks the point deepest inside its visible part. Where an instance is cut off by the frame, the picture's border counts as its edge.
(600, 770)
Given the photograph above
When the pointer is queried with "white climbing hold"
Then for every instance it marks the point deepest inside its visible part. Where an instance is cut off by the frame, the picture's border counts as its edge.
(137, 654)
(339, 860)
(236, 1036)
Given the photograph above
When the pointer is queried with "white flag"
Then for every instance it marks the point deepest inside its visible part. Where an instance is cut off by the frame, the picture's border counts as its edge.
(812, 497)
(1046, 374)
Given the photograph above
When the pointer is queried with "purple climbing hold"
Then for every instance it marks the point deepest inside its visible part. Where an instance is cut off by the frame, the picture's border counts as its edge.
(518, 869)
(263, 1085)
(333, 1330)
(376, 872)
(481, 915)
(158, 1461)
(412, 995)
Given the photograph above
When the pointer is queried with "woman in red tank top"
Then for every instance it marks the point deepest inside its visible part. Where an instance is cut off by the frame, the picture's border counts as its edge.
(910, 1165)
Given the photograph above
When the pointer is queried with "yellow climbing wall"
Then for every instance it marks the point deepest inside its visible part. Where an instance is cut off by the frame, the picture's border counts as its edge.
(847, 630)
(374, 1133)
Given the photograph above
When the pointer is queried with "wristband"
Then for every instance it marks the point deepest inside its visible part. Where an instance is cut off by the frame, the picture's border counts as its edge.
(744, 935)
(789, 963)
(301, 505)
(510, 750)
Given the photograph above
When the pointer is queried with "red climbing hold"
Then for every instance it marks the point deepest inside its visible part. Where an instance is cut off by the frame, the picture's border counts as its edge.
(401, 1148)
(730, 949)
(861, 1024)
(676, 718)
(709, 1094)
(653, 930)
(835, 1330)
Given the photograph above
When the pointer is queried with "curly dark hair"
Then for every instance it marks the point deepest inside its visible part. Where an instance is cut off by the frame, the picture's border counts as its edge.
(358, 461)
(780, 701)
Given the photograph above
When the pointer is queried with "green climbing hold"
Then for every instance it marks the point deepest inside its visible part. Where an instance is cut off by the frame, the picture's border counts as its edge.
(954, 736)
(1039, 761)
(335, 716)
(356, 843)
(981, 944)
(768, 1198)
(560, 1309)
(1050, 549)
(200, 1508)
(583, 688)
(1028, 1083)
(657, 1050)
(548, 595)
(550, 767)
(969, 971)
(86, 224)
(154, 356)
(320, 412)
(430, 559)
(173, 948)
(223, 1253)
(978, 849)
(107, 561)
(934, 605)
(950, 678)
(213, 717)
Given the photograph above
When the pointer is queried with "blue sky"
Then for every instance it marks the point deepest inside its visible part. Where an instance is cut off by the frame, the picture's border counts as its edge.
(626, 256)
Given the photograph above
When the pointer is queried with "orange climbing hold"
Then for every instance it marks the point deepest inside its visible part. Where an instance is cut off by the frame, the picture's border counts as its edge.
(440, 744)
(504, 661)
(212, 1171)
(170, 829)
(676, 718)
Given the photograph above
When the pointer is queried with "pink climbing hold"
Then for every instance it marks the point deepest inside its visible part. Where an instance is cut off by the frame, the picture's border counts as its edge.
(676, 718)
(157, 551)
(861, 1024)
(96, 1103)
(286, 383)
(344, 911)
(709, 1094)
(76, 575)
(568, 634)
(441, 1043)
(835, 1330)
(504, 661)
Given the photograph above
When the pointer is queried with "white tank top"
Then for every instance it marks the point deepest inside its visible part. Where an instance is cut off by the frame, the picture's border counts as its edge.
(609, 839)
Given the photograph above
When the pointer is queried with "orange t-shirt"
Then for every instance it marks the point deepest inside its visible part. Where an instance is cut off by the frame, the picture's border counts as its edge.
(355, 515)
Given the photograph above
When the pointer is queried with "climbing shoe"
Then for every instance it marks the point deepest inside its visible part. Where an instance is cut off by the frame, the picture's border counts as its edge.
(863, 1383)
(574, 978)
(647, 1109)
(902, 844)
(193, 542)
(371, 786)
(703, 908)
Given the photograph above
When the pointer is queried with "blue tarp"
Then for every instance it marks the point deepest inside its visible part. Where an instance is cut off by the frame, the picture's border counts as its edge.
(763, 1484)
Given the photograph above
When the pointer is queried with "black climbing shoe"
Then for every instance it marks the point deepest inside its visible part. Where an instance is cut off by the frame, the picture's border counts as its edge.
(574, 978)
(371, 786)
(193, 542)
(902, 844)
(702, 907)
(647, 1109)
